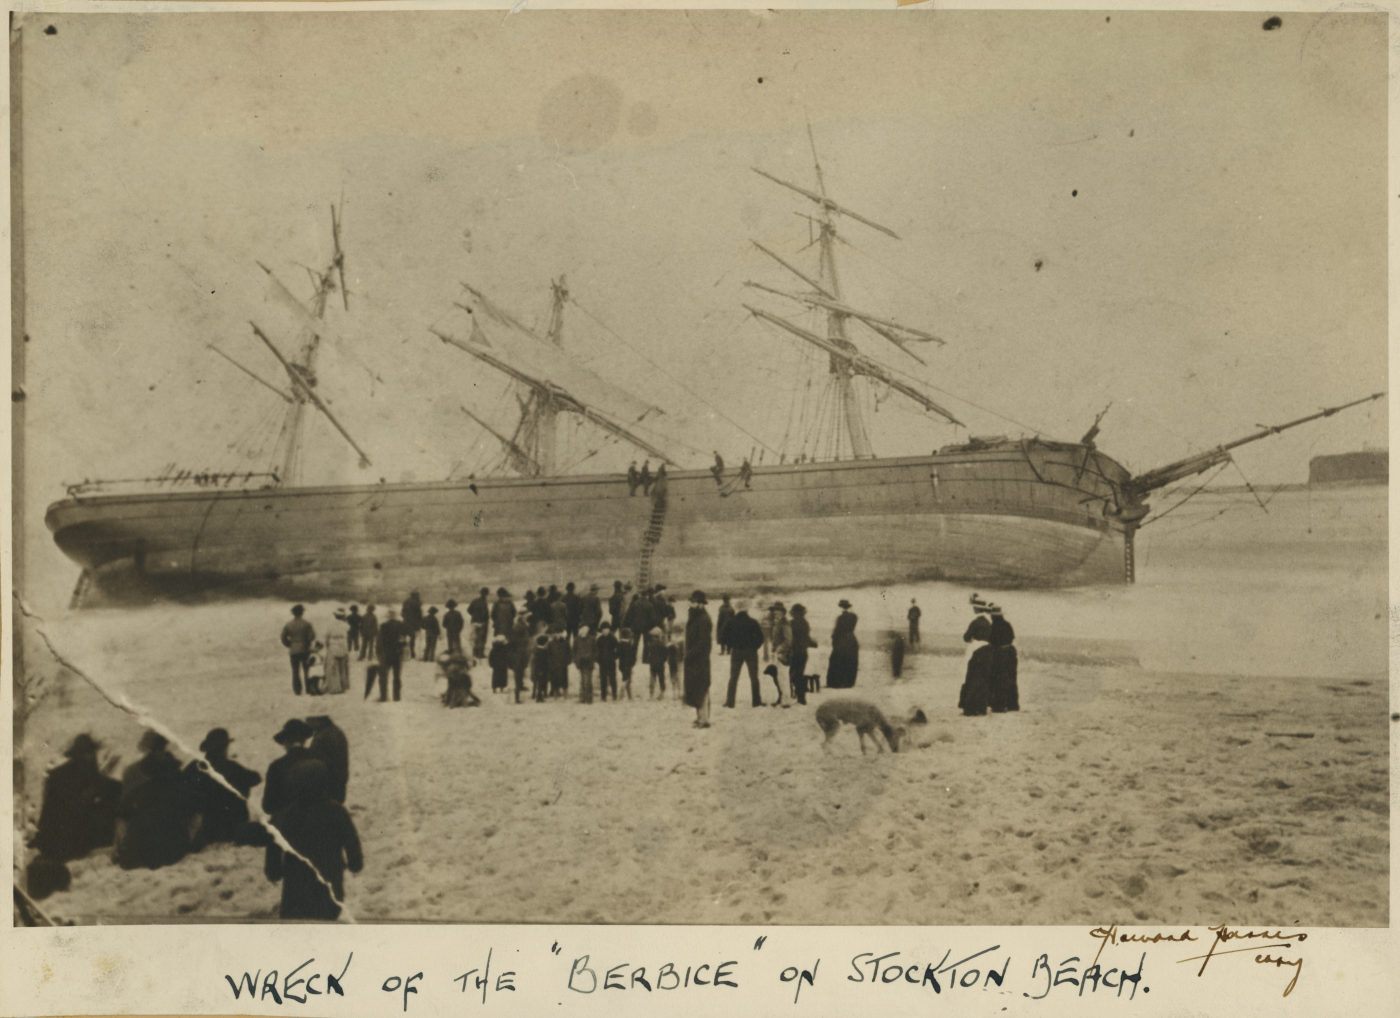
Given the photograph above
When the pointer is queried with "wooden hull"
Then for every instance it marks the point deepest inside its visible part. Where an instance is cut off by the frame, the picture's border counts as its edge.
(1007, 515)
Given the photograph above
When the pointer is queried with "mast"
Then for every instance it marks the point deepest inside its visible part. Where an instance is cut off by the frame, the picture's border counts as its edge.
(521, 459)
(545, 425)
(842, 363)
(302, 367)
(560, 397)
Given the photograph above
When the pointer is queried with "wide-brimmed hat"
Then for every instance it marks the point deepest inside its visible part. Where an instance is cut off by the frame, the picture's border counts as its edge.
(295, 730)
(843, 603)
(217, 738)
(778, 606)
(82, 745)
(699, 597)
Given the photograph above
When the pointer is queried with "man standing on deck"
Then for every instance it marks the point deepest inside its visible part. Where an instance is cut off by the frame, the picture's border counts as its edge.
(646, 477)
(634, 479)
(298, 636)
(452, 625)
(479, 611)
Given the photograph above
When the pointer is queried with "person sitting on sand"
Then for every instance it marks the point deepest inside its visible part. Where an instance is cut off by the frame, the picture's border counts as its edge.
(457, 669)
(225, 814)
(80, 805)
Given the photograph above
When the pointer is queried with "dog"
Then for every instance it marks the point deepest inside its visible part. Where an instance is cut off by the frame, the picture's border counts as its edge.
(865, 716)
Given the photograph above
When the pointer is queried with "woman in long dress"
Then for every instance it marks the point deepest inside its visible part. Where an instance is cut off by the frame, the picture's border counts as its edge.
(698, 636)
(841, 669)
(1004, 695)
(976, 689)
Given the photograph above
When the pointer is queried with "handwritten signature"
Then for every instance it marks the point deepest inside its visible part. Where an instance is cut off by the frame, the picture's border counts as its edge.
(1222, 934)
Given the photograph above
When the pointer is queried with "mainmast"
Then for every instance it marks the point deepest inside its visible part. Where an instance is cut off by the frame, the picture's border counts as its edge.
(845, 360)
(301, 367)
(544, 426)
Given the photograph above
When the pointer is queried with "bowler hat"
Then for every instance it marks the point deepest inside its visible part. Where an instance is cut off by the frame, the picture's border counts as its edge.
(699, 597)
(217, 738)
(152, 741)
(295, 730)
(843, 603)
(778, 606)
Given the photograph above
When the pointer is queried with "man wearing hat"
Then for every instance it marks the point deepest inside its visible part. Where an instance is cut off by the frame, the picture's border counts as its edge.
(616, 603)
(225, 814)
(502, 614)
(914, 615)
(726, 612)
(297, 636)
(292, 738)
(590, 609)
(479, 611)
(745, 636)
(801, 641)
(80, 805)
(320, 831)
(782, 643)
(432, 628)
(699, 634)
(392, 635)
(452, 624)
(369, 632)
(413, 621)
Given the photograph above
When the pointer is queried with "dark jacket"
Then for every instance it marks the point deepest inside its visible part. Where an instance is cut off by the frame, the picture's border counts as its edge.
(626, 655)
(502, 616)
(391, 637)
(743, 633)
(431, 625)
(276, 794)
(724, 616)
(452, 622)
(412, 613)
(479, 611)
(158, 817)
(330, 746)
(698, 633)
(590, 610)
(225, 814)
(607, 650)
(640, 617)
(801, 636)
(79, 811)
(320, 830)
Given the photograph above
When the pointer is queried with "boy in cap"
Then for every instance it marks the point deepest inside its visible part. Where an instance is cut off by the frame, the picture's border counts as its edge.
(432, 629)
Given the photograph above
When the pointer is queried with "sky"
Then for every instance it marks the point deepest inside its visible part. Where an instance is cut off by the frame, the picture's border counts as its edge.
(1178, 216)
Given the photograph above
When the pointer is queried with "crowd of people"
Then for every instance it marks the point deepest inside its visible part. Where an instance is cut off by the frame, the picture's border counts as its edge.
(158, 812)
(553, 634)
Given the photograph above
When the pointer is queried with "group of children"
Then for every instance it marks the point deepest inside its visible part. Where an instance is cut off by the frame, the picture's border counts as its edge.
(547, 655)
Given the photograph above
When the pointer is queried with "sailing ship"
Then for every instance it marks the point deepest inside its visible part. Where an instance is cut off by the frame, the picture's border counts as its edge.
(996, 512)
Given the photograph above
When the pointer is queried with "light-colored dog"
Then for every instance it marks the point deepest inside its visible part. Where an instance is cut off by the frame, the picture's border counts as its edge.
(865, 716)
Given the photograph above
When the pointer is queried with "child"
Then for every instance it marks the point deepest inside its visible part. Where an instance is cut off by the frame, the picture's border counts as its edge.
(499, 660)
(539, 667)
(655, 654)
(457, 669)
(626, 658)
(558, 661)
(607, 662)
(585, 653)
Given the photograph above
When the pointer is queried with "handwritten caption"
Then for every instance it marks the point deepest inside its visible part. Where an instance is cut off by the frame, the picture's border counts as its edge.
(1110, 972)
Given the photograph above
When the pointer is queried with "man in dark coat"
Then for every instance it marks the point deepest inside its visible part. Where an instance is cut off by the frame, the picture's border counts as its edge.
(158, 816)
(725, 613)
(801, 642)
(479, 611)
(502, 614)
(914, 615)
(332, 748)
(641, 614)
(499, 660)
(392, 635)
(539, 667)
(452, 625)
(626, 658)
(293, 737)
(432, 628)
(352, 621)
(559, 656)
(844, 663)
(152, 745)
(645, 478)
(591, 609)
(745, 636)
(634, 479)
(573, 611)
(369, 633)
(413, 621)
(699, 633)
(298, 636)
(80, 805)
(320, 830)
(616, 604)
(225, 814)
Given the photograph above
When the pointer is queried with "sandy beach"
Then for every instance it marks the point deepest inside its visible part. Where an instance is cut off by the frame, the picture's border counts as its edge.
(1139, 784)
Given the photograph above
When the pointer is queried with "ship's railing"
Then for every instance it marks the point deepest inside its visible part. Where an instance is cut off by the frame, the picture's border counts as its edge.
(173, 478)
